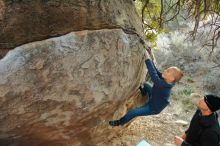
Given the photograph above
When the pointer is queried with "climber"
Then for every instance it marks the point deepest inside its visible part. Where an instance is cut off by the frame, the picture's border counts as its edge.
(158, 95)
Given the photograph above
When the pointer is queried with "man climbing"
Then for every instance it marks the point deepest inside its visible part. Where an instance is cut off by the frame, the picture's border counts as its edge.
(159, 94)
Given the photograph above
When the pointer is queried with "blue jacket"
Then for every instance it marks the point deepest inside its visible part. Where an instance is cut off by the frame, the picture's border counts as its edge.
(161, 90)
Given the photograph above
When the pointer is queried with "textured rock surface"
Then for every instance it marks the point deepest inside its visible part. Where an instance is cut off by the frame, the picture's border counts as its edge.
(63, 91)
(23, 21)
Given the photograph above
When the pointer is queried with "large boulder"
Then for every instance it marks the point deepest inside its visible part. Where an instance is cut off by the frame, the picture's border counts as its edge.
(63, 91)
(23, 21)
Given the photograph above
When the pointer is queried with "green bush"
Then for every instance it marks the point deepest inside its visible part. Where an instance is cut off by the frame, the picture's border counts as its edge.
(184, 91)
(189, 79)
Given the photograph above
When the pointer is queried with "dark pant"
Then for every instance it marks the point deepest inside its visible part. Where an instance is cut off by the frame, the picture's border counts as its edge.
(147, 90)
(144, 110)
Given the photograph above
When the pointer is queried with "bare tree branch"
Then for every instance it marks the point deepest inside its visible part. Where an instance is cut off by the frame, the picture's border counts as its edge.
(161, 14)
(144, 7)
(177, 12)
(197, 18)
(204, 12)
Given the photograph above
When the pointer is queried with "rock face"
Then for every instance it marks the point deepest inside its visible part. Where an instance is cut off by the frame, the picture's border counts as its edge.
(62, 91)
(27, 21)
(67, 88)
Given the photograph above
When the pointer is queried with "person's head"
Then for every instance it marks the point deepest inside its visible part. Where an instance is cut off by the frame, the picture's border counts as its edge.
(209, 104)
(172, 74)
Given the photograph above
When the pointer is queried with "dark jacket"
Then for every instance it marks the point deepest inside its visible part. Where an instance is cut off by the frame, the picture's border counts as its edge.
(203, 130)
(161, 89)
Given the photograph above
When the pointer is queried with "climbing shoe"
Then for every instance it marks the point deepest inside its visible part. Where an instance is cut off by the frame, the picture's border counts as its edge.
(142, 91)
(114, 123)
